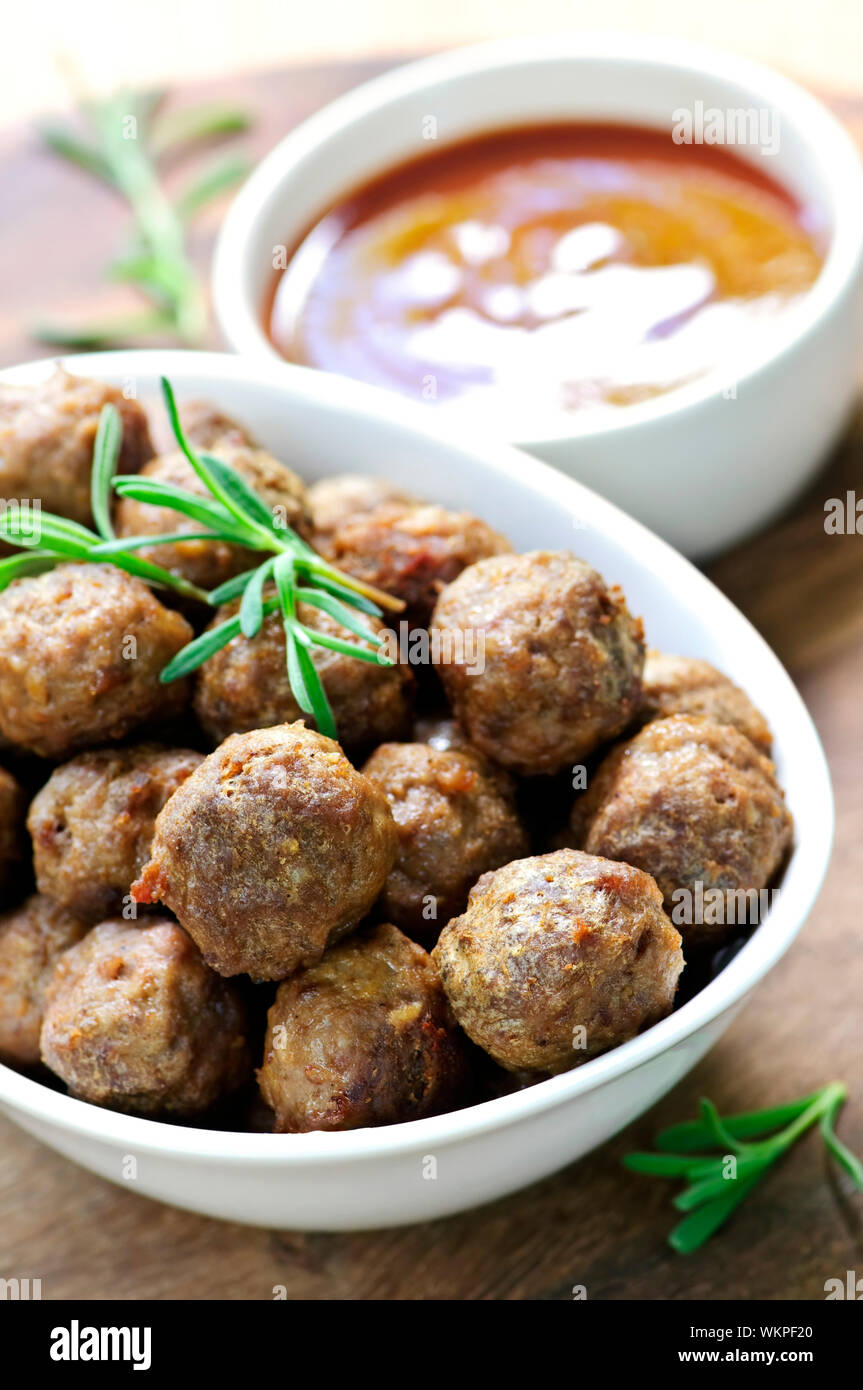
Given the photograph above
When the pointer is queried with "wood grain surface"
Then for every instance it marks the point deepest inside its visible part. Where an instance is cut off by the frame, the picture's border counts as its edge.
(592, 1224)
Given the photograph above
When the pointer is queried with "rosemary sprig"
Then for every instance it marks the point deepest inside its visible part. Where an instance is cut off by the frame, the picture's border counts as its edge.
(128, 140)
(754, 1141)
(234, 513)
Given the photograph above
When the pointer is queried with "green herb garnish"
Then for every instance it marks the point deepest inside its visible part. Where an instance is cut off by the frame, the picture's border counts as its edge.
(745, 1148)
(127, 141)
(232, 513)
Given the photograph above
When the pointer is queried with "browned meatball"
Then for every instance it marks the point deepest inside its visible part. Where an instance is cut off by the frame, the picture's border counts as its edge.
(207, 427)
(684, 685)
(411, 551)
(135, 1020)
(272, 848)
(365, 1037)
(691, 802)
(47, 433)
(245, 685)
(558, 958)
(336, 500)
(12, 808)
(560, 671)
(92, 823)
(81, 650)
(209, 563)
(455, 818)
(31, 940)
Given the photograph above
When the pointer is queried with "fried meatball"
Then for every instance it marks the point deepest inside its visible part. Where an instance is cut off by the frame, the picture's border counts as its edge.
(31, 940)
(207, 427)
(410, 551)
(92, 823)
(209, 563)
(558, 958)
(81, 650)
(135, 1020)
(691, 802)
(365, 1037)
(684, 685)
(245, 685)
(12, 807)
(47, 433)
(336, 500)
(560, 671)
(455, 818)
(272, 848)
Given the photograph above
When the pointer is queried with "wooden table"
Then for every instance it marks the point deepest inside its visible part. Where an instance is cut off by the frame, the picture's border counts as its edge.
(592, 1224)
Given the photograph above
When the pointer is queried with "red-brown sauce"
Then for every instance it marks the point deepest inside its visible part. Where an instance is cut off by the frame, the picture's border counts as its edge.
(538, 271)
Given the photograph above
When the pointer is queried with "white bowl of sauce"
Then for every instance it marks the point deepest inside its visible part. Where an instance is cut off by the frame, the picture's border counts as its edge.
(639, 260)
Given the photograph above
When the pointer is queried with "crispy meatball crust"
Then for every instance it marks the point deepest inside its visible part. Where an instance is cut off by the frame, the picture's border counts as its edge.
(47, 433)
(12, 809)
(455, 818)
(365, 1037)
(562, 664)
(689, 801)
(272, 848)
(81, 649)
(134, 1020)
(557, 944)
(411, 551)
(245, 685)
(32, 938)
(209, 563)
(338, 499)
(685, 685)
(92, 823)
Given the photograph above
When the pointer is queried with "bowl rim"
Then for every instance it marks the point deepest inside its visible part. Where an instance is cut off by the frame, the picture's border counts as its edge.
(833, 149)
(807, 865)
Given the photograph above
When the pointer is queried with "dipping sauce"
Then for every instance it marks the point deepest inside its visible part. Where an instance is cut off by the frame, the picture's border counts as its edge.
(531, 273)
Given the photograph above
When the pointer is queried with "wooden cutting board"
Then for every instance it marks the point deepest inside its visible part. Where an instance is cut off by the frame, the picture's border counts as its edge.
(592, 1224)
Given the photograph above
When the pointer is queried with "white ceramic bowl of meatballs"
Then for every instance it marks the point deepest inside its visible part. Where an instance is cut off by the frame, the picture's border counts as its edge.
(707, 463)
(288, 897)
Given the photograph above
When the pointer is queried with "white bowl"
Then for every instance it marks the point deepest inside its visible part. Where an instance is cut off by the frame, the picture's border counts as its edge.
(377, 1177)
(700, 465)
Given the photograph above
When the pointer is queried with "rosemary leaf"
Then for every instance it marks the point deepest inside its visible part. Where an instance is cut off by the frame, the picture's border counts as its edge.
(843, 1155)
(231, 589)
(104, 332)
(178, 499)
(302, 668)
(700, 1225)
(19, 566)
(195, 653)
(710, 1188)
(68, 146)
(693, 1136)
(340, 611)
(252, 606)
(106, 453)
(233, 497)
(218, 179)
(108, 549)
(246, 501)
(178, 130)
(67, 547)
(338, 644)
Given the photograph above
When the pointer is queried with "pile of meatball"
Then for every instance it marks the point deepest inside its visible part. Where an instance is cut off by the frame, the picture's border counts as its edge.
(215, 914)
